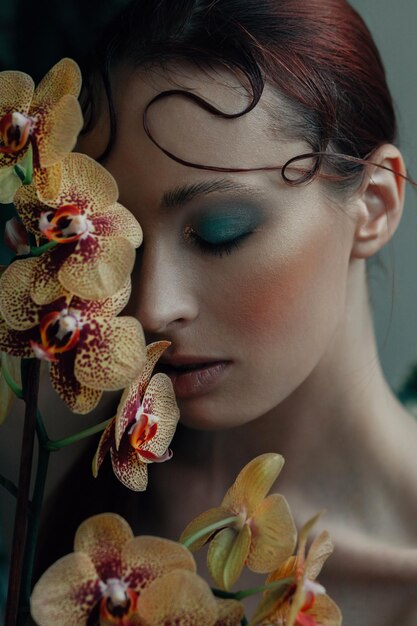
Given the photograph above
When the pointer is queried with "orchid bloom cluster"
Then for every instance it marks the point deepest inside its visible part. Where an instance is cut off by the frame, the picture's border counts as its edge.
(113, 578)
(61, 303)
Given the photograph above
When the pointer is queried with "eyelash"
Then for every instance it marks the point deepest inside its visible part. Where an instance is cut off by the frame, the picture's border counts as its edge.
(216, 249)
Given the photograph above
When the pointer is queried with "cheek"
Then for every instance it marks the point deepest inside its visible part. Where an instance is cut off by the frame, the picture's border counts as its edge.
(291, 296)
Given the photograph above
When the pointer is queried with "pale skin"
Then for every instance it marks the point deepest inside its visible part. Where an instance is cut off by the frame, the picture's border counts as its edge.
(289, 308)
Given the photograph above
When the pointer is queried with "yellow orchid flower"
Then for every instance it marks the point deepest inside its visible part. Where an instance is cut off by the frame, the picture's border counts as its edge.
(115, 579)
(305, 602)
(90, 349)
(47, 118)
(144, 426)
(96, 235)
(262, 533)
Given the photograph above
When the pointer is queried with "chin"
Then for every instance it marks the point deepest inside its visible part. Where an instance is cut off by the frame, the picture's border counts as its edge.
(194, 415)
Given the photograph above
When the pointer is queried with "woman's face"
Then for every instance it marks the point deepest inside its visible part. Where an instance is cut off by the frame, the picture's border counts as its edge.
(245, 275)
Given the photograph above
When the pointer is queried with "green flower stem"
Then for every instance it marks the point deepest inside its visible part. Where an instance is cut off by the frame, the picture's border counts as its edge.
(7, 484)
(57, 444)
(246, 593)
(226, 595)
(41, 430)
(30, 379)
(9, 379)
(244, 621)
(209, 529)
(33, 530)
(38, 250)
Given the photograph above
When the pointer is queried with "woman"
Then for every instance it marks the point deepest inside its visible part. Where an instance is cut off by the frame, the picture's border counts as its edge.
(254, 264)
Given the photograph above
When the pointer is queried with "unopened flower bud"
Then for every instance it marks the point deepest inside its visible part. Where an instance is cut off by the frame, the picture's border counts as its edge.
(16, 237)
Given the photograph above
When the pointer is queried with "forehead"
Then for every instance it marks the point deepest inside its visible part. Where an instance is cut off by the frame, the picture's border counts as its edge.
(255, 140)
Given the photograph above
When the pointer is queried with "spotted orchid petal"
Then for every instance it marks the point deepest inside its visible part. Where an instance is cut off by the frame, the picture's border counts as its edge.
(66, 593)
(304, 603)
(132, 396)
(29, 208)
(128, 468)
(158, 402)
(229, 613)
(324, 612)
(146, 558)
(273, 534)
(105, 307)
(97, 267)
(16, 89)
(16, 343)
(180, 597)
(44, 285)
(110, 353)
(104, 446)
(79, 398)
(56, 131)
(320, 550)
(96, 235)
(102, 537)
(209, 517)
(85, 184)
(63, 78)
(16, 305)
(227, 555)
(253, 483)
(57, 112)
(48, 181)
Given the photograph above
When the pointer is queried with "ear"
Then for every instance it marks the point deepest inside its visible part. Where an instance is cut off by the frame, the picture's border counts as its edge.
(381, 201)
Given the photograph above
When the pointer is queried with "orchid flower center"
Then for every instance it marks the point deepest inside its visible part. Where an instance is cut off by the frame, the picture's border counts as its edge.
(312, 589)
(60, 332)
(64, 225)
(118, 601)
(143, 430)
(14, 132)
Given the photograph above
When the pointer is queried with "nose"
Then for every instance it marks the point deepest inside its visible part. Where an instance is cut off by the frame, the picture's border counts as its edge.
(165, 296)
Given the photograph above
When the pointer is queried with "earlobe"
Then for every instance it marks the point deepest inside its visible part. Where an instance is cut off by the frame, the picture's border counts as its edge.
(381, 202)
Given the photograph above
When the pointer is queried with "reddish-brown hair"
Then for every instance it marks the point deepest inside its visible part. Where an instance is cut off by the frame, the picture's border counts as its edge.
(318, 54)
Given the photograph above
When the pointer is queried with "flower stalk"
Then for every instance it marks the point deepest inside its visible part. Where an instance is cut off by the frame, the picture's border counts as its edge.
(57, 444)
(209, 529)
(30, 379)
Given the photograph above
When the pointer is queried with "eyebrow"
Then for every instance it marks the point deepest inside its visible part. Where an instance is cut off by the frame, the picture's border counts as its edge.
(179, 196)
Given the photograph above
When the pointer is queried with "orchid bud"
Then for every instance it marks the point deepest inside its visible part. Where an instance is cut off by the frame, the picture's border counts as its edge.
(9, 184)
(16, 237)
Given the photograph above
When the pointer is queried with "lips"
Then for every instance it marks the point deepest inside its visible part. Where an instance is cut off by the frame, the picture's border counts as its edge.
(193, 376)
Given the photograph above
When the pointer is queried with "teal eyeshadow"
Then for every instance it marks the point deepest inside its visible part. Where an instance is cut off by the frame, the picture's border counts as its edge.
(220, 227)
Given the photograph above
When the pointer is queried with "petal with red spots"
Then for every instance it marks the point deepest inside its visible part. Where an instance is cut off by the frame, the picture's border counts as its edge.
(102, 538)
(16, 305)
(104, 445)
(128, 468)
(67, 592)
(110, 353)
(79, 398)
(98, 267)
